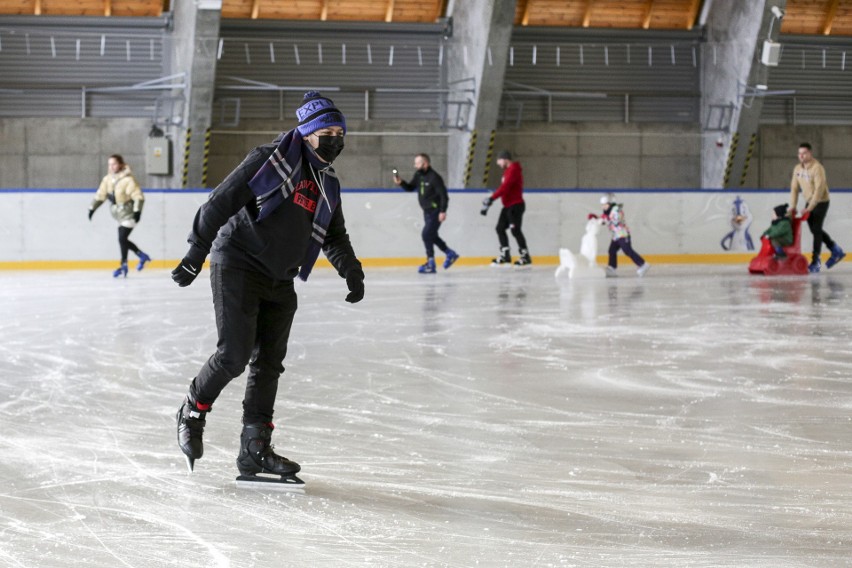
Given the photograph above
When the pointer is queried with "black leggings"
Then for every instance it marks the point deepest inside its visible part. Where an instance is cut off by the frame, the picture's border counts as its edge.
(125, 243)
(511, 218)
(815, 221)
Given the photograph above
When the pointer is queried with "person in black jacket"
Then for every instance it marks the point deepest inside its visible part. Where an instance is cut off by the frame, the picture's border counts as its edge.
(263, 226)
(433, 200)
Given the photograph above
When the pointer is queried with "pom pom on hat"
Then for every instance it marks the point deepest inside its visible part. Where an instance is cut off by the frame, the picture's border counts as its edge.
(318, 112)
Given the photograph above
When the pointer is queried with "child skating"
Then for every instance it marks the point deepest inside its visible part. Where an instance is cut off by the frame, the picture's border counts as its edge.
(613, 218)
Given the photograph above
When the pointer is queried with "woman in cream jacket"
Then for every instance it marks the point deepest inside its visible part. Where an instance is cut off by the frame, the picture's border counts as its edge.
(126, 200)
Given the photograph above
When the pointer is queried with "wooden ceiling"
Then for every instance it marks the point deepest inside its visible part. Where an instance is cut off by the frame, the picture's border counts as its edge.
(363, 10)
(826, 17)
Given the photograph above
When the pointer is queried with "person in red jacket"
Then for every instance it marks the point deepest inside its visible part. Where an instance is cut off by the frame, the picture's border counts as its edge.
(511, 193)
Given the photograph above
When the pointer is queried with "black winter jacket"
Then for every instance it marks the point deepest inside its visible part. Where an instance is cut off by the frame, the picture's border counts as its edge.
(227, 224)
(431, 188)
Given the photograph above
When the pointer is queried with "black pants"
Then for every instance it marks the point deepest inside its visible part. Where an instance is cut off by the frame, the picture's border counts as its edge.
(253, 317)
(431, 224)
(625, 246)
(815, 221)
(124, 243)
(512, 218)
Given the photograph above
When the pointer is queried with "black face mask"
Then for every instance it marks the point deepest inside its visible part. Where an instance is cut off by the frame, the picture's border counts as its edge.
(329, 147)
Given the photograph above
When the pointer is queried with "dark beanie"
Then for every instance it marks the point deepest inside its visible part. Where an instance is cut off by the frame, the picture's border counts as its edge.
(504, 155)
(318, 112)
(780, 211)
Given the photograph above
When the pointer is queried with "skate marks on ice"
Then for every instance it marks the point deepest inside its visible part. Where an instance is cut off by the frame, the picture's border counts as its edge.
(480, 417)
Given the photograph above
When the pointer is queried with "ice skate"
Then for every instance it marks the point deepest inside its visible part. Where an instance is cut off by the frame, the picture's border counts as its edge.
(640, 272)
(191, 419)
(428, 267)
(257, 457)
(524, 261)
(611, 272)
(814, 266)
(143, 260)
(452, 257)
(505, 259)
(837, 255)
(120, 271)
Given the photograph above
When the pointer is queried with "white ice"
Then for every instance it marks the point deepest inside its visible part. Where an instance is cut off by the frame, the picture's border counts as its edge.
(476, 417)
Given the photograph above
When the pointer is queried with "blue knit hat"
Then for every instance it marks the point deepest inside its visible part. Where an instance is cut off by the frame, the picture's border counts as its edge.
(318, 112)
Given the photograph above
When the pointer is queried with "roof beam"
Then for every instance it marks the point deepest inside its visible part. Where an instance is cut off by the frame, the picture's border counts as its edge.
(389, 11)
(829, 18)
(525, 20)
(646, 21)
(255, 9)
(693, 13)
(107, 7)
(587, 17)
(324, 11)
(37, 8)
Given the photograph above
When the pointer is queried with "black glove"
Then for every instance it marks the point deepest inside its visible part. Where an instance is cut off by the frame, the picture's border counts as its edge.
(355, 283)
(91, 212)
(486, 203)
(186, 272)
(137, 215)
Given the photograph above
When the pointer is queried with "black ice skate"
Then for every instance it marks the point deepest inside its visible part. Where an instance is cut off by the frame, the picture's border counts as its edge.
(257, 457)
(525, 260)
(190, 428)
(505, 258)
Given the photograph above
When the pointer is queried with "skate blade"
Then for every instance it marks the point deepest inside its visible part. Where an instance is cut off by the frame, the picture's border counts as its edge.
(290, 484)
(190, 463)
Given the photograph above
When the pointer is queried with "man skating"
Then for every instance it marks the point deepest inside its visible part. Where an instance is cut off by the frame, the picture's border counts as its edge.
(265, 225)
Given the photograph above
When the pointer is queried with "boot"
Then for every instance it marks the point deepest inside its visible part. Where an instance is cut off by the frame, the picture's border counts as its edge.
(524, 259)
(191, 419)
(814, 266)
(428, 268)
(504, 259)
(143, 260)
(120, 271)
(452, 256)
(257, 455)
(837, 255)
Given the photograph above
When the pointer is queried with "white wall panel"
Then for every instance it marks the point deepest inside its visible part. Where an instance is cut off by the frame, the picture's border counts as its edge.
(386, 224)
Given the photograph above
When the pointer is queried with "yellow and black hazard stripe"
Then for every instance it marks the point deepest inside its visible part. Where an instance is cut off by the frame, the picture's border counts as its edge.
(470, 150)
(749, 153)
(206, 158)
(186, 157)
(488, 156)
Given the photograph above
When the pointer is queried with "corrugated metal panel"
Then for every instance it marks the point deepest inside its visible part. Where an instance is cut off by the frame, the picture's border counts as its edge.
(820, 71)
(43, 67)
(658, 72)
(356, 59)
(348, 57)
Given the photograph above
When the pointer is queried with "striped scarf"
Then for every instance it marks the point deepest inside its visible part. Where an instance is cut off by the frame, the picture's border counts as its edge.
(276, 181)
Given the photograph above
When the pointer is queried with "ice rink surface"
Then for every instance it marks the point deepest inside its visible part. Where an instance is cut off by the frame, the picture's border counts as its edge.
(697, 417)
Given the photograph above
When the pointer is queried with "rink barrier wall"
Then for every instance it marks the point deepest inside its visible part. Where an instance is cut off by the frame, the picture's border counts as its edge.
(48, 229)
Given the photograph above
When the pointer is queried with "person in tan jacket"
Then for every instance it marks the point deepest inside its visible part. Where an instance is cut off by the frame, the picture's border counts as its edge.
(126, 199)
(809, 178)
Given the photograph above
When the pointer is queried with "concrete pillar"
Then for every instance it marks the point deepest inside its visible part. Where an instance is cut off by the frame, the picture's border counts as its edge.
(478, 50)
(196, 37)
(730, 75)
